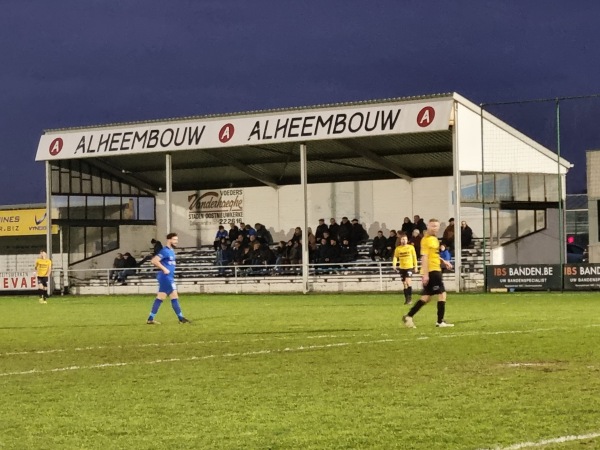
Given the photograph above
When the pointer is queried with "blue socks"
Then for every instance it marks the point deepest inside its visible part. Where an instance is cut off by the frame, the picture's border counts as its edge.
(155, 306)
(176, 307)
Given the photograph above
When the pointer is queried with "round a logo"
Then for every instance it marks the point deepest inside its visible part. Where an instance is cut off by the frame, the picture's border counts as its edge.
(425, 116)
(56, 146)
(226, 132)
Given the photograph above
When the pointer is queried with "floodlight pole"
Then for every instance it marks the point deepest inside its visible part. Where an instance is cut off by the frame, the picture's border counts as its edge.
(168, 190)
(303, 180)
(457, 200)
(49, 219)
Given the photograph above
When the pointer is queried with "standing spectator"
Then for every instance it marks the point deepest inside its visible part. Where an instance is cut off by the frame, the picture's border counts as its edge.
(312, 245)
(431, 276)
(43, 269)
(165, 262)
(234, 232)
(263, 235)
(466, 235)
(448, 236)
(334, 229)
(407, 227)
(345, 230)
(297, 236)
(378, 247)
(220, 236)
(358, 234)
(321, 228)
(415, 240)
(156, 247)
(419, 224)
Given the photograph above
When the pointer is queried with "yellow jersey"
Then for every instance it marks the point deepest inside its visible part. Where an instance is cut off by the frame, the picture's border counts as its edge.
(43, 266)
(406, 255)
(430, 247)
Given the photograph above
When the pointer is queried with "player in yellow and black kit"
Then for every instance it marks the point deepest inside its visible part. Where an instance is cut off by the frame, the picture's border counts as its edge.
(431, 276)
(43, 268)
(406, 257)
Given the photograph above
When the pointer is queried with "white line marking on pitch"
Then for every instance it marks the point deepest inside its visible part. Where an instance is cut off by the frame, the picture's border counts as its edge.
(196, 358)
(558, 440)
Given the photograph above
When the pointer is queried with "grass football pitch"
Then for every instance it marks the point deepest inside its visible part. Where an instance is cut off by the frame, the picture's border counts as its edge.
(334, 371)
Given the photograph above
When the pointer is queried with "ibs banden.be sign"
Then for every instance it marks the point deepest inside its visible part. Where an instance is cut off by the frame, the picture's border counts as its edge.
(524, 277)
(581, 276)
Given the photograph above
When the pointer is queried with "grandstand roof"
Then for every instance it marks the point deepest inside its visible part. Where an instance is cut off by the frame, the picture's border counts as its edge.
(408, 138)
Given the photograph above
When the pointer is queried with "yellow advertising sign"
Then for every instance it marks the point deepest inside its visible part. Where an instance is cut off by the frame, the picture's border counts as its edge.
(24, 222)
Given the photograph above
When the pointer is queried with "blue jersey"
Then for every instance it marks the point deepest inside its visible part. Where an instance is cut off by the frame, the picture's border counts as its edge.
(167, 259)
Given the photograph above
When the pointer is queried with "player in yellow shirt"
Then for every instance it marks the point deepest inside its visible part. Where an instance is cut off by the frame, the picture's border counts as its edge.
(431, 276)
(406, 258)
(43, 268)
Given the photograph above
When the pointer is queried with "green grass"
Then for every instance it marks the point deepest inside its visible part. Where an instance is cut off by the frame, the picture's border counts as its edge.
(299, 372)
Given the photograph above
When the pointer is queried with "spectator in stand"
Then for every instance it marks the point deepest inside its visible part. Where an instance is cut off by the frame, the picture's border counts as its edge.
(252, 240)
(234, 231)
(118, 265)
(378, 247)
(334, 229)
(331, 254)
(448, 236)
(419, 224)
(237, 252)
(390, 245)
(358, 235)
(221, 234)
(312, 245)
(247, 256)
(297, 236)
(348, 252)
(156, 247)
(466, 235)
(345, 230)
(445, 255)
(250, 231)
(242, 228)
(224, 257)
(242, 240)
(263, 235)
(129, 266)
(294, 252)
(321, 228)
(407, 226)
(415, 240)
(280, 254)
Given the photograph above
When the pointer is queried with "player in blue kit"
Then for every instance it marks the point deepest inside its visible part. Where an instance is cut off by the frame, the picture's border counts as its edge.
(164, 260)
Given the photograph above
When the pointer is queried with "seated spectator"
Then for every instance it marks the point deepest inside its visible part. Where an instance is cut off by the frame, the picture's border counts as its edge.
(234, 232)
(345, 230)
(358, 235)
(249, 230)
(378, 248)
(280, 254)
(419, 224)
(390, 245)
(129, 266)
(294, 252)
(221, 234)
(331, 254)
(224, 255)
(348, 252)
(312, 245)
(118, 264)
(237, 252)
(297, 236)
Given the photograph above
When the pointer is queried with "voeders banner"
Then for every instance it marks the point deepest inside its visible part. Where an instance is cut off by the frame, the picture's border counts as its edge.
(217, 207)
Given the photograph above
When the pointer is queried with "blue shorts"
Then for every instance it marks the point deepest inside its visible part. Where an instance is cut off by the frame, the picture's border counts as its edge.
(166, 285)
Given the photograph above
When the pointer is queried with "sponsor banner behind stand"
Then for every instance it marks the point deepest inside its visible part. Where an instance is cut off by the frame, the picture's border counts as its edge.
(524, 277)
(24, 222)
(582, 276)
(18, 281)
(216, 207)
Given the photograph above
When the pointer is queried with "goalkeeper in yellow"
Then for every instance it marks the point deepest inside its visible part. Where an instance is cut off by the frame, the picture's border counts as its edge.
(431, 276)
(43, 268)
(405, 257)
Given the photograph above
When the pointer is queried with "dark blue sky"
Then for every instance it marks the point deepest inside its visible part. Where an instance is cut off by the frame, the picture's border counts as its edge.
(75, 63)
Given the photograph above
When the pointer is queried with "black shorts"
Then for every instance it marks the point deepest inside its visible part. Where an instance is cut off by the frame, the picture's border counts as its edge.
(406, 273)
(43, 281)
(435, 285)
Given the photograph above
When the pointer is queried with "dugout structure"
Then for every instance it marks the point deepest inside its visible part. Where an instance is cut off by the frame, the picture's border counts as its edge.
(509, 187)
